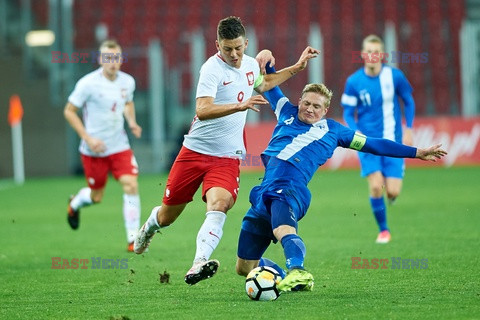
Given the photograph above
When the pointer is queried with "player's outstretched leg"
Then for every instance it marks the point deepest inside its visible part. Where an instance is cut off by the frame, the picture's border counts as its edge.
(146, 232)
(297, 280)
(201, 271)
(297, 277)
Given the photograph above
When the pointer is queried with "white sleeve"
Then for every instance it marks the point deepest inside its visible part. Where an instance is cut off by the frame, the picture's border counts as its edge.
(132, 90)
(80, 94)
(207, 82)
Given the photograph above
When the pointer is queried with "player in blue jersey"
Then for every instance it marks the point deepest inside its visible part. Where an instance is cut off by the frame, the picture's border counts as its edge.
(302, 141)
(372, 94)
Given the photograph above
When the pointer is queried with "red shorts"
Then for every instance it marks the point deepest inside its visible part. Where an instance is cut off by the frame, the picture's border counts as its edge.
(97, 168)
(190, 169)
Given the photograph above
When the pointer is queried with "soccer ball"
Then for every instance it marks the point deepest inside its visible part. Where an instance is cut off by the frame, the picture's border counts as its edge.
(261, 284)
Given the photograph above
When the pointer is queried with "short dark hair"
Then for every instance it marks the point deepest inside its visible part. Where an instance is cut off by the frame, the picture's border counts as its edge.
(230, 28)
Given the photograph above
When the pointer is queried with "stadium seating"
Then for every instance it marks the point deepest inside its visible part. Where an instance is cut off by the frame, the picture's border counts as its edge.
(422, 27)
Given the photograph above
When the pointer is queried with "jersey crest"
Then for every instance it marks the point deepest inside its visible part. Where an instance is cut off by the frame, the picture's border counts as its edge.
(250, 78)
(289, 121)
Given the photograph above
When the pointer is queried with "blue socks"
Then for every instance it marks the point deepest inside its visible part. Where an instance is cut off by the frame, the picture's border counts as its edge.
(264, 262)
(294, 250)
(380, 212)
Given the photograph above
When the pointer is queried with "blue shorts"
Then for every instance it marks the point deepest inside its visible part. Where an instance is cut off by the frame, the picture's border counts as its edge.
(255, 237)
(388, 166)
(272, 206)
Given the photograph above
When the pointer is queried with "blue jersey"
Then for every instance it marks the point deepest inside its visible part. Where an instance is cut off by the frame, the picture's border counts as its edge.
(297, 149)
(376, 101)
(305, 146)
(293, 155)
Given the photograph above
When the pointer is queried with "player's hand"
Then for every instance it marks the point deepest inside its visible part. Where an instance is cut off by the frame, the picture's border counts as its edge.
(431, 154)
(263, 57)
(307, 54)
(136, 130)
(96, 145)
(407, 137)
(250, 103)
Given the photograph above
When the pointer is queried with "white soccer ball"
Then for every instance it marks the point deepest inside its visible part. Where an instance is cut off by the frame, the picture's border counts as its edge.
(261, 284)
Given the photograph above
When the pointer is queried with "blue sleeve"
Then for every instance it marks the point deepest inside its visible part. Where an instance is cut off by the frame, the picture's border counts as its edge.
(349, 102)
(349, 117)
(350, 96)
(409, 109)
(384, 147)
(274, 94)
(404, 90)
(344, 134)
(270, 69)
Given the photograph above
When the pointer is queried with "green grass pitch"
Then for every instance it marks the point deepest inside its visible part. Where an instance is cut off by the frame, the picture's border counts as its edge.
(437, 217)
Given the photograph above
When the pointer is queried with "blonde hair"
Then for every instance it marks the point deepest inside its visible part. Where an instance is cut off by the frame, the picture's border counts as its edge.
(373, 38)
(321, 89)
(109, 44)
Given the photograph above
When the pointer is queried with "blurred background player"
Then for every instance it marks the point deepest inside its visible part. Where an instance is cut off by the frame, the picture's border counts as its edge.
(106, 99)
(372, 94)
(215, 143)
(301, 142)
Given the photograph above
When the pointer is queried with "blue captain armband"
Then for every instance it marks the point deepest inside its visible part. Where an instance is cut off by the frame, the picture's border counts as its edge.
(358, 141)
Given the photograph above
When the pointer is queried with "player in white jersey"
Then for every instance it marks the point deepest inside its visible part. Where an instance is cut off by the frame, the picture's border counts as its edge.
(212, 148)
(106, 99)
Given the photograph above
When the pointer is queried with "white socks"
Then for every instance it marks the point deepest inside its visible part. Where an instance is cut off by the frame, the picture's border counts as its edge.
(131, 215)
(209, 235)
(82, 199)
(152, 222)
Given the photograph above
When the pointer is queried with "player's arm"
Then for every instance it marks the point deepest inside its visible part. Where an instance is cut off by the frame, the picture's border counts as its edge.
(404, 90)
(349, 102)
(409, 112)
(71, 115)
(129, 114)
(385, 147)
(275, 94)
(264, 58)
(206, 109)
(349, 117)
(274, 79)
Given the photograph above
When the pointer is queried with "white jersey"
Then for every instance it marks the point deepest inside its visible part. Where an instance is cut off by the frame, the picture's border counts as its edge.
(223, 137)
(103, 102)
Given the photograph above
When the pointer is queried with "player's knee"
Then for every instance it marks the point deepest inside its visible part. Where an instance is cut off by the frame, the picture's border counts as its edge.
(222, 205)
(376, 190)
(130, 187)
(392, 194)
(129, 184)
